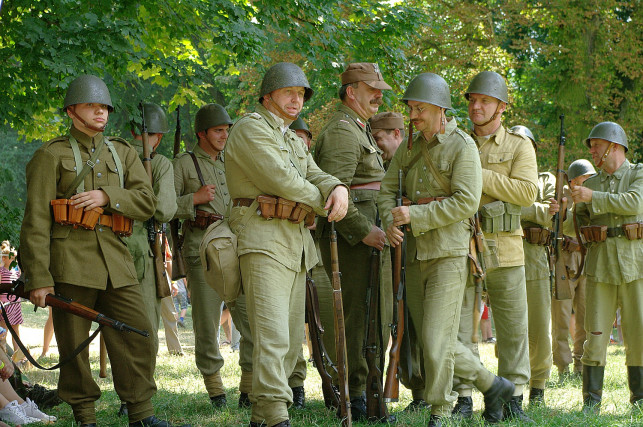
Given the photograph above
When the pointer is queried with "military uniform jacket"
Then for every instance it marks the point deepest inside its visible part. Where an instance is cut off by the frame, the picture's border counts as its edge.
(617, 199)
(510, 174)
(263, 159)
(186, 183)
(163, 186)
(441, 228)
(537, 215)
(346, 149)
(53, 252)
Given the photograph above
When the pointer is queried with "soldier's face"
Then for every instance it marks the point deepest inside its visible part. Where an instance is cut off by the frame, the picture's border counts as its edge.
(94, 114)
(289, 99)
(483, 107)
(367, 99)
(425, 117)
(216, 137)
(597, 148)
(388, 141)
(303, 135)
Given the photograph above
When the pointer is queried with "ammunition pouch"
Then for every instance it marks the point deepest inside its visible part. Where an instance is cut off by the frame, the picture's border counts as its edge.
(536, 235)
(594, 233)
(66, 214)
(570, 245)
(599, 233)
(277, 207)
(218, 252)
(203, 219)
(500, 216)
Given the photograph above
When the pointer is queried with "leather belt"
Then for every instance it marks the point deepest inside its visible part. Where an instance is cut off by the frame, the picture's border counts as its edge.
(105, 220)
(615, 232)
(375, 185)
(421, 201)
(203, 219)
(242, 202)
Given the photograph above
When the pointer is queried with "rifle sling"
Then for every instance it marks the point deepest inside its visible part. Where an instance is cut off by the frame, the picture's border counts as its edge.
(30, 358)
(583, 249)
(197, 167)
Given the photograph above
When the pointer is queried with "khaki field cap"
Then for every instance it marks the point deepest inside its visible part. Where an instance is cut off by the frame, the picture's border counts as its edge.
(366, 72)
(388, 120)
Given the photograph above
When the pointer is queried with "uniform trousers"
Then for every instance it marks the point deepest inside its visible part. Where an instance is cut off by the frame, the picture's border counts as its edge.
(435, 301)
(506, 287)
(602, 301)
(298, 375)
(275, 297)
(168, 314)
(132, 356)
(561, 313)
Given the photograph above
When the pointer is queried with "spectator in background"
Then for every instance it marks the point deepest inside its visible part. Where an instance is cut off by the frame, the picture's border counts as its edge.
(8, 275)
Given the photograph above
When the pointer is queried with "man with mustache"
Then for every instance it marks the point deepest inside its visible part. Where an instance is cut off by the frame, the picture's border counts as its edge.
(346, 149)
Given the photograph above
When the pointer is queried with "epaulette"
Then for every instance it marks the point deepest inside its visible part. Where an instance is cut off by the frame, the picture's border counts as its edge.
(118, 139)
(254, 115)
(179, 155)
(63, 138)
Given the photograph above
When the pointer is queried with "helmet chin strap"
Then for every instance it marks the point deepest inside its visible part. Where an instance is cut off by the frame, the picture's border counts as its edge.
(87, 125)
(604, 156)
(495, 114)
(443, 121)
(280, 110)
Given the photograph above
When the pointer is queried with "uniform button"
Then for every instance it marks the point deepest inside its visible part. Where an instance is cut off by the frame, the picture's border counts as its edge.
(417, 192)
(220, 173)
(225, 194)
(92, 150)
(118, 205)
(355, 199)
(350, 237)
(99, 174)
(97, 160)
(424, 167)
(74, 167)
(100, 228)
(420, 180)
(615, 217)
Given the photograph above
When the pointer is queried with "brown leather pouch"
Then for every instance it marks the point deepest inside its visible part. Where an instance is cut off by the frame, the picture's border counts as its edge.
(299, 213)
(121, 225)
(427, 200)
(641, 230)
(60, 210)
(267, 205)
(284, 208)
(594, 233)
(631, 231)
(406, 201)
(74, 216)
(536, 235)
(570, 245)
(309, 221)
(90, 218)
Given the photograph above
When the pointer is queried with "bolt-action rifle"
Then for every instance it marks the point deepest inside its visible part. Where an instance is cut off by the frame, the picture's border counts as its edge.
(392, 384)
(340, 332)
(320, 356)
(154, 233)
(558, 274)
(178, 266)
(376, 410)
(478, 271)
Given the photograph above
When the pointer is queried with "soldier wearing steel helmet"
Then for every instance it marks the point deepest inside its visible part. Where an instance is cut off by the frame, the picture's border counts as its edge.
(55, 255)
(535, 221)
(199, 205)
(611, 204)
(561, 310)
(267, 162)
(509, 183)
(346, 149)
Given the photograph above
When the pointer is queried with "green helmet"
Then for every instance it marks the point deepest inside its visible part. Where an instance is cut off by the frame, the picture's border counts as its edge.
(488, 83)
(299, 124)
(580, 167)
(429, 88)
(209, 116)
(609, 131)
(85, 89)
(155, 119)
(524, 131)
(284, 74)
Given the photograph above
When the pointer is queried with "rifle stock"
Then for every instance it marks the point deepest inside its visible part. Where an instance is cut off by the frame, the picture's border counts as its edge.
(320, 355)
(102, 359)
(478, 271)
(340, 331)
(559, 276)
(178, 266)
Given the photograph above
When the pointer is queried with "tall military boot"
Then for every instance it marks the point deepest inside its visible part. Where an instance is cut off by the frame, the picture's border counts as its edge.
(634, 379)
(592, 388)
(494, 398)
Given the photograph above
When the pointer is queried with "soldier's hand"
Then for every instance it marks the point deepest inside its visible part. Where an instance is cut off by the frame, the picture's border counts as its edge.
(581, 194)
(394, 235)
(37, 296)
(375, 238)
(401, 215)
(205, 194)
(555, 208)
(89, 200)
(337, 203)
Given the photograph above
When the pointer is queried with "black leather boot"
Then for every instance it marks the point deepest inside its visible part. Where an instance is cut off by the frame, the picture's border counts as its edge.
(500, 392)
(513, 410)
(536, 396)
(244, 400)
(152, 421)
(417, 405)
(592, 388)
(298, 398)
(218, 402)
(463, 407)
(435, 421)
(634, 379)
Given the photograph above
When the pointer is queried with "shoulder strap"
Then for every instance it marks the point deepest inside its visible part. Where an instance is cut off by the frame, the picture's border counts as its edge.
(197, 167)
(89, 165)
(413, 161)
(434, 170)
(117, 161)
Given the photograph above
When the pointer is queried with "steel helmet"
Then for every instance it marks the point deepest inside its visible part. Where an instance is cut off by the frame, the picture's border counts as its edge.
(429, 88)
(209, 116)
(580, 167)
(87, 89)
(609, 131)
(299, 124)
(524, 130)
(155, 119)
(488, 83)
(284, 74)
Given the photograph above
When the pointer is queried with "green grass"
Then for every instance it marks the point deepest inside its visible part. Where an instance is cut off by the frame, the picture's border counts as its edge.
(181, 395)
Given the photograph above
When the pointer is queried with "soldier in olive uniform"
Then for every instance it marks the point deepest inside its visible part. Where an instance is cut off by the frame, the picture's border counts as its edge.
(202, 196)
(536, 223)
(346, 149)
(561, 310)
(267, 159)
(509, 183)
(387, 129)
(55, 256)
(612, 199)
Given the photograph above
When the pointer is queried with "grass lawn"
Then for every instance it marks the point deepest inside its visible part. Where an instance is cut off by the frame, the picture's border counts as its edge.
(181, 395)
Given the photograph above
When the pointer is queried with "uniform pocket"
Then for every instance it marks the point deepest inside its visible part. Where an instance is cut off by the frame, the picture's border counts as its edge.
(492, 214)
(112, 174)
(512, 216)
